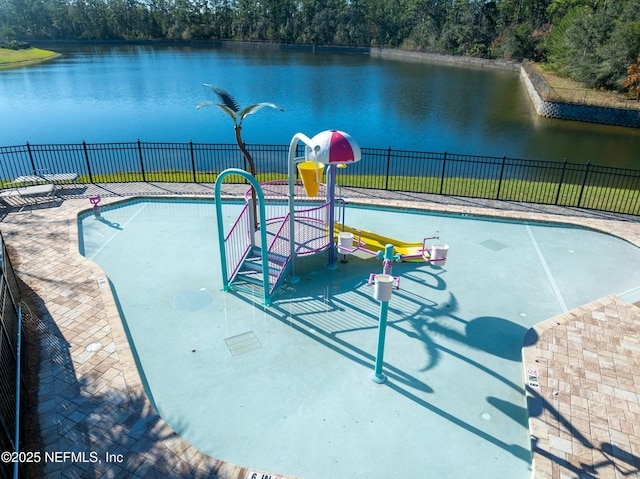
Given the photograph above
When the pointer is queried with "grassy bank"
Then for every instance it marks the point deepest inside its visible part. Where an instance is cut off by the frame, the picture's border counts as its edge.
(566, 90)
(29, 56)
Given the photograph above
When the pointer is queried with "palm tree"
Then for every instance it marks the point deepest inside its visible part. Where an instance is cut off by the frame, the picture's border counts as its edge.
(230, 107)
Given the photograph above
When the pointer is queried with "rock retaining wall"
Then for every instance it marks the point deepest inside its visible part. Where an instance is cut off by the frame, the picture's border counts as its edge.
(447, 59)
(571, 111)
(545, 108)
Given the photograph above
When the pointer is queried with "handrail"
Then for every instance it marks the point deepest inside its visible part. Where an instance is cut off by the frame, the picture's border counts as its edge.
(276, 237)
(235, 224)
(238, 263)
(263, 233)
(278, 233)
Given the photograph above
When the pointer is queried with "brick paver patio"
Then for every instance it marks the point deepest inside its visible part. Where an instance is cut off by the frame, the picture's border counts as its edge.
(582, 372)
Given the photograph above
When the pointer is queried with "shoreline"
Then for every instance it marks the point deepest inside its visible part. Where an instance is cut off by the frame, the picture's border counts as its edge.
(34, 56)
(587, 112)
(454, 60)
(374, 52)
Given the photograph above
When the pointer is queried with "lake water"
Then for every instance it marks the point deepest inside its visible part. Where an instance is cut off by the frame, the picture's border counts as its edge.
(116, 93)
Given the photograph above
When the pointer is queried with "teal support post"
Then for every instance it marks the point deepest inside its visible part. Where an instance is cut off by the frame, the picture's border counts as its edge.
(263, 231)
(378, 376)
(388, 258)
(382, 292)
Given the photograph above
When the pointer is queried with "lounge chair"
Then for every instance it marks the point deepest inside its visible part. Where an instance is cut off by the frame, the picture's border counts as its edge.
(48, 177)
(22, 193)
(61, 177)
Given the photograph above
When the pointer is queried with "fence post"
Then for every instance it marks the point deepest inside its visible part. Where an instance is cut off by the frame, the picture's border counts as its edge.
(141, 160)
(193, 161)
(86, 158)
(33, 165)
(564, 167)
(386, 183)
(504, 158)
(584, 182)
(444, 165)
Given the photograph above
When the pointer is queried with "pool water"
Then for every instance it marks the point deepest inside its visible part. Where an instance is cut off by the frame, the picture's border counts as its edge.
(287, 389)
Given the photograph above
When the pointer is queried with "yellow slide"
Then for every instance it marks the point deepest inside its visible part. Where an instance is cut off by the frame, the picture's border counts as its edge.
(374, 243)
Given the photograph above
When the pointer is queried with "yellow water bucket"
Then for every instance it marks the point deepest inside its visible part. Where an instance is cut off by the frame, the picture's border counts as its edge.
(311, 174)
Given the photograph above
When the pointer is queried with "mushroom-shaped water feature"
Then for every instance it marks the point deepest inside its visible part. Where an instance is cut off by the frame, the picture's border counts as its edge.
(332, 147)
(328, 148)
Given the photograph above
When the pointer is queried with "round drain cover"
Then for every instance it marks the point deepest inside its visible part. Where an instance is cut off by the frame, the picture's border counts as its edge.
(193, 301)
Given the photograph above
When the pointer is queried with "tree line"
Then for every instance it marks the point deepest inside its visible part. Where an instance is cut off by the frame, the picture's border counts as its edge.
(596, 42)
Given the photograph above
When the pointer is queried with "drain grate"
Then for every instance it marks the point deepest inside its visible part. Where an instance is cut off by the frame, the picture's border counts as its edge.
(242, 343)
(493, 245)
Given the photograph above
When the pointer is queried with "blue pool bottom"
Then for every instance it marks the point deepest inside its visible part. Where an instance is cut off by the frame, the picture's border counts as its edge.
(287, 389)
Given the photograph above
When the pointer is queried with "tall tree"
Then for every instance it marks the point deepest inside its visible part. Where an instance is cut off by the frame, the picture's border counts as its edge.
(632, 82)
(595, 46)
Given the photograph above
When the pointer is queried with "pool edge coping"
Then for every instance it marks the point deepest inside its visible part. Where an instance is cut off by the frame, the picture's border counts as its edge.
(207, 464)
(541, 466)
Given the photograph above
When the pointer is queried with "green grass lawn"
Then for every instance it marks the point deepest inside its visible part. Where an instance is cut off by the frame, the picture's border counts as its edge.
(592, 196)
(568, 194)
(529, 191)
(28, 56)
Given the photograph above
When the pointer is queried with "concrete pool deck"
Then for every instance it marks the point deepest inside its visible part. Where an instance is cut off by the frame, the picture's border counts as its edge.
(584, 370)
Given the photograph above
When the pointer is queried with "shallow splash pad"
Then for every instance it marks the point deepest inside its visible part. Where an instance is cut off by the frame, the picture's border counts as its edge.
(302, 367)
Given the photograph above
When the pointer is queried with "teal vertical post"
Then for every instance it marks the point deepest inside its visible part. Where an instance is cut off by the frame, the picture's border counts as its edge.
(388, 258)
(378, 376)
(263, 231)
(383, 289)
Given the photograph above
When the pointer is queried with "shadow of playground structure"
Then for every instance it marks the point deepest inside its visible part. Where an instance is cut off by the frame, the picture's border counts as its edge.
(90, 416)
(571, 445)
(584, 399)
(330, 310)
(87, 430)
(82, 409)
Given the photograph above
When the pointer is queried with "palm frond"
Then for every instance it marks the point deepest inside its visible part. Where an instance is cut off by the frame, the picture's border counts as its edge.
(251, 109)
(203, 104)
(224, 108)
(228, 111)
(226, 99)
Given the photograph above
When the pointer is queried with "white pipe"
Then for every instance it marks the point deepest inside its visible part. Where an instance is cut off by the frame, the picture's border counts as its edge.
(292, 175)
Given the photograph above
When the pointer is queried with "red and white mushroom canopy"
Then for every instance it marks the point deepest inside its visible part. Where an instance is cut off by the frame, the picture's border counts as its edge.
(336, 147)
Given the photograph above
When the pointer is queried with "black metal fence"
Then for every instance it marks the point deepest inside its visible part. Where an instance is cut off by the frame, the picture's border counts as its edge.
(12, 396)
(558, 183)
